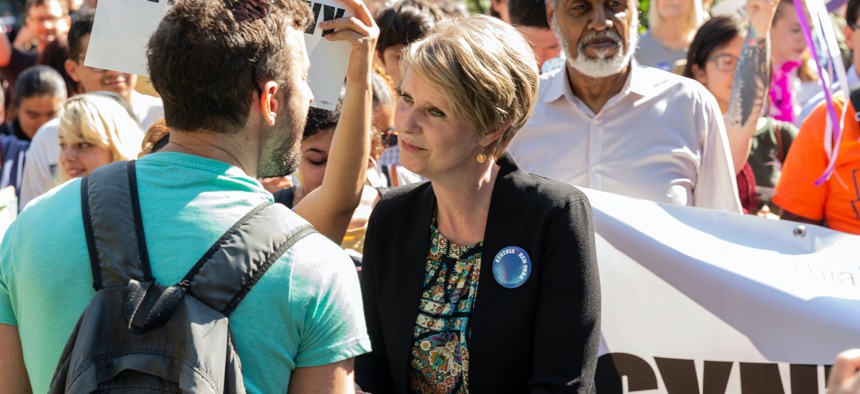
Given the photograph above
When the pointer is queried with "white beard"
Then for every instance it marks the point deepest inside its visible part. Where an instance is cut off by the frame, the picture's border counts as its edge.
(602, 66)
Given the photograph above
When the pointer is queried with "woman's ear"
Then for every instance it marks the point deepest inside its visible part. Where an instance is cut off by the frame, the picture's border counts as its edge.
(490, 140)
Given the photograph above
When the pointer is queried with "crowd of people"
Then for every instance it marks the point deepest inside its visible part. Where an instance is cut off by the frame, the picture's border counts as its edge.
(445, 177)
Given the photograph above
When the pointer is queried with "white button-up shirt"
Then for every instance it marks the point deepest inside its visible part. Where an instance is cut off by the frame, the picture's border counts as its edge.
(661, 138)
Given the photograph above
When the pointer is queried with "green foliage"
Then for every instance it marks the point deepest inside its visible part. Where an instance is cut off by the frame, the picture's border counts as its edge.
(643, 15)
(478, 6)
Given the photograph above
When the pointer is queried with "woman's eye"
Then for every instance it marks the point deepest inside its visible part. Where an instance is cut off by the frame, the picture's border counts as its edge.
(84, 145)
(317, 162)
(437, 113)
(407, 98)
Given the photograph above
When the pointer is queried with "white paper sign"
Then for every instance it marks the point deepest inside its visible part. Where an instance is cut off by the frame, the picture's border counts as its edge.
(701, 301)
(122, 29)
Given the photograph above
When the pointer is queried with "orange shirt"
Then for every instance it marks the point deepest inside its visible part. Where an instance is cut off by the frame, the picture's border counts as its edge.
(837, 201)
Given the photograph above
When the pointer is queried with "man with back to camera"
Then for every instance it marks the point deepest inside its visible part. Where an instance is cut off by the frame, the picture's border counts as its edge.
(606, 123)
(302, 324)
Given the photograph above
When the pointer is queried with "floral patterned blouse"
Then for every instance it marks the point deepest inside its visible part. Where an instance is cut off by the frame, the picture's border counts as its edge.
(439, 359)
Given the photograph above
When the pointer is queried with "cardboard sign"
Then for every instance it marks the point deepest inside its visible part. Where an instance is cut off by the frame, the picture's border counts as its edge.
(122, 29)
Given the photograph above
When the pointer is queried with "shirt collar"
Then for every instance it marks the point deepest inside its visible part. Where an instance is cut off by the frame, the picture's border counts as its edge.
(637, 83)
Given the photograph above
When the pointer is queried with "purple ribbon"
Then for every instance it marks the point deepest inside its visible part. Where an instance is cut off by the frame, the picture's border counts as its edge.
(831, 109)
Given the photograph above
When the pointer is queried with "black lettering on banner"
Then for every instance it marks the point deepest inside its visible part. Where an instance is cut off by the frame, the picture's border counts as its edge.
(328, 13)
(804, 379)
(169, 2)
(716, 379)
(761, 378)
(612, 366)
(679, 376)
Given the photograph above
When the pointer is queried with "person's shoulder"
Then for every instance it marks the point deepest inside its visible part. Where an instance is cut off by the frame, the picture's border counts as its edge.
(544, 192)
(48, 133)
(401, 197)
(54, 207)
(662, 81)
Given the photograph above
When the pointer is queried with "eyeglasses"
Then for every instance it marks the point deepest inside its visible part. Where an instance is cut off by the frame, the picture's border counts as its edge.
(93, 69)
(853, 26)
(44, 19)
(724, 62)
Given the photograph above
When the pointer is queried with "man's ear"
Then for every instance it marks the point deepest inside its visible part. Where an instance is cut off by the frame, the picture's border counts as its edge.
(269, 103)
(72, 69)
(849, 40)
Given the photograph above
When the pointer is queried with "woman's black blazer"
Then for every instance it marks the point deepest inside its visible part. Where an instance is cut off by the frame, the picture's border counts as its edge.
(540, 337)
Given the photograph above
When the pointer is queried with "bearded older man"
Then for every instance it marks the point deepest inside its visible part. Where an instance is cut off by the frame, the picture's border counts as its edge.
(604, 122)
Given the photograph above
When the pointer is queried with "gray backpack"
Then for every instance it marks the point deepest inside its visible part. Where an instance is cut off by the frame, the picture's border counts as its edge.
(137, 336)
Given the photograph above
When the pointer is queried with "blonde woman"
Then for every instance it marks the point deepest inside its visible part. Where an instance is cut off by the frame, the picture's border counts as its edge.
(485, 278)
(96, 129)
(672, 26)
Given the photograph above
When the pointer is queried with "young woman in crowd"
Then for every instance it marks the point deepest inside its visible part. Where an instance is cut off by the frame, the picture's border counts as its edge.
(795, 80)
(316, 147)
(96, 129)
(486, 270)
(713, 61)
(39, 94)
(672, 25)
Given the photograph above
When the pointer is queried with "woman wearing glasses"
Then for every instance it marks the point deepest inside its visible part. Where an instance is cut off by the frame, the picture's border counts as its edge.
(485, 278)
(713, 61)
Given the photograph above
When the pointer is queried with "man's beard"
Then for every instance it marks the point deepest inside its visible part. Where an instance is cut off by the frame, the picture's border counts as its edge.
(601, 67)
(281, 152)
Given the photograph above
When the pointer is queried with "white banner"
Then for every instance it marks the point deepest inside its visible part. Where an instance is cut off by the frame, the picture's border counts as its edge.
(122, 29)
(701, 301)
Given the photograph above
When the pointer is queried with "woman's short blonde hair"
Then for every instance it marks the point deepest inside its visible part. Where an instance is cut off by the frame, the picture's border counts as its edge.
(101, 120)
(485, 68)
(695, 16)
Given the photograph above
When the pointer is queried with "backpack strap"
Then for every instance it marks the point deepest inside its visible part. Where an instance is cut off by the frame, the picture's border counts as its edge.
(243, 255)
(111, 213)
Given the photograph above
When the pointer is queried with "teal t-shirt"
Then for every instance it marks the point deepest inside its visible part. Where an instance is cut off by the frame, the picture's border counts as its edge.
(306, 311)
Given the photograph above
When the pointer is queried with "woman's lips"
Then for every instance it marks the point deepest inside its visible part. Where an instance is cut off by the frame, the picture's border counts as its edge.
(409, 147)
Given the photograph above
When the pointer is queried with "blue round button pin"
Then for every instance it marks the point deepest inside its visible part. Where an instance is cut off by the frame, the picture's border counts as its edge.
(512, 267)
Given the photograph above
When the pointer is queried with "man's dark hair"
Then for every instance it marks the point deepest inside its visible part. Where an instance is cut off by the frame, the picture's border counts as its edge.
(206, 58)
(405, 21)
(531, 13)
(33, 3)
(39, 81)
(851, 12)
(82, 27)
(715, 33)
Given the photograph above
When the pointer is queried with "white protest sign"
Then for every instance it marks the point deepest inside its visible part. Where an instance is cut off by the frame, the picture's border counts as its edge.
(122, 29)
(701, 301)
(736, 8)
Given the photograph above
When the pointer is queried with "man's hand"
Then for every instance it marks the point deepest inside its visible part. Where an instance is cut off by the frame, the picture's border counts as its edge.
(844, 378)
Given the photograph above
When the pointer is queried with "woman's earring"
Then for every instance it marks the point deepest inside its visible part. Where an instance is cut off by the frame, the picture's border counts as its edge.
(482, 158)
